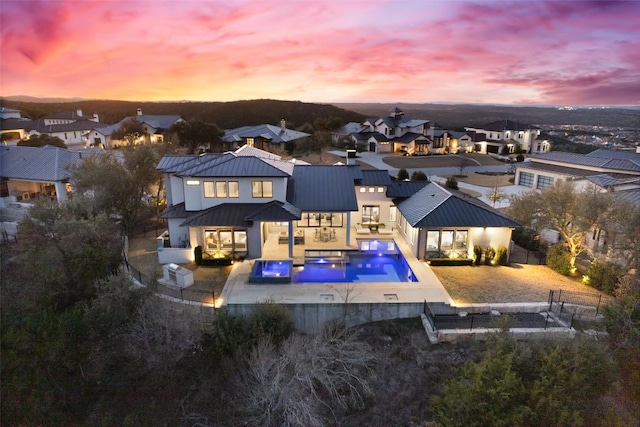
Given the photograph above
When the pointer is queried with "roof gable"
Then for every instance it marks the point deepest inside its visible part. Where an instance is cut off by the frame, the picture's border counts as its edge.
(323, 188)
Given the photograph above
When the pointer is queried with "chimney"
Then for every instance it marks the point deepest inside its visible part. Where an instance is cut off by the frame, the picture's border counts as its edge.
(79, 112)
(139, 111)
(351, 157)
(96, 118)
(283, 125)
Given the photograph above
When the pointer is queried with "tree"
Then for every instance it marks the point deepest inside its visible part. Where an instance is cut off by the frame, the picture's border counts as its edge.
(66, 248)
(130, 131)
(42, 140)
(560, 207)
(402, 175)
(307, 379)
(119, 188)
(193, 134)
(623, 234)
(495, 195)
(315, 143)
(463, 165)
(451, 183)
(554, 383)
(419, 176)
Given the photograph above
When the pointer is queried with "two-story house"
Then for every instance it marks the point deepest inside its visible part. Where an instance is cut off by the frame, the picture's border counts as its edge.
(505, 136)
(234, 204)
(155, 126)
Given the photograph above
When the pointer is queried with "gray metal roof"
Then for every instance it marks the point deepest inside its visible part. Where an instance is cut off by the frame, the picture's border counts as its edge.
(242, 214)
(502, 125)
(404, 189)
(273, 133)
(156, 121)
(46, 164)
(615, 154)
(434, 206)
(177, 163)
(409, 137)
(322, 188)
(375, 177)
(631, 196)
(80, 125)
(590, 161)
(175, 211)
(246, 150)
(229, 165)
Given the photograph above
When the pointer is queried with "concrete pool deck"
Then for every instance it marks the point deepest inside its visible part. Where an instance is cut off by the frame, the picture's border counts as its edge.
(238, 290)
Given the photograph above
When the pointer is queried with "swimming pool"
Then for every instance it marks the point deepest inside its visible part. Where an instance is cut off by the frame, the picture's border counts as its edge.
(377, 261)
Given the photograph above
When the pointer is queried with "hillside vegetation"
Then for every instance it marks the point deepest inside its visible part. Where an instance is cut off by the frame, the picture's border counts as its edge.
(227, 115)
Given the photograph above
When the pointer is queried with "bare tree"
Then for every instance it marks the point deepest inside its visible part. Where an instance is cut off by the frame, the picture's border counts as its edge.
(162, 335)
(308, 379)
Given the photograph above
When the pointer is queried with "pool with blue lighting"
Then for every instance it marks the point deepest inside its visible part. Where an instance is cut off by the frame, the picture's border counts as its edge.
(377, 261)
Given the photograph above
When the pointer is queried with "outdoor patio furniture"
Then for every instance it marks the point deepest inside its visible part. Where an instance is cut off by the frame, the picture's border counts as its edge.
(362, 230)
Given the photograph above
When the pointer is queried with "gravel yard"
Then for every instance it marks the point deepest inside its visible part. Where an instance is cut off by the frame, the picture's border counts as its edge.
(514, 283)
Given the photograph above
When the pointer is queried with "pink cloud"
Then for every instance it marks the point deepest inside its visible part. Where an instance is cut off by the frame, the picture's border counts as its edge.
(541, 52)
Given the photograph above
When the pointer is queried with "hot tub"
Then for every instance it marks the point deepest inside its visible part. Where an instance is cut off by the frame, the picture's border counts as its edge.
(264, 271)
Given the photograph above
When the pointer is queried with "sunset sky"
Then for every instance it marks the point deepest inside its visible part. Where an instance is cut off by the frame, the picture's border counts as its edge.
(520, 52)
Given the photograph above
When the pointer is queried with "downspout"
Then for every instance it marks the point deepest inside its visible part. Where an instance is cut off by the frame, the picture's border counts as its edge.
(290, 239)
(348, 233)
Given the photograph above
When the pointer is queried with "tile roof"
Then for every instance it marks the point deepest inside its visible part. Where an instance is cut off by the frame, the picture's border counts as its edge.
(273, 133)
(322, 188)
(434, 206)
(46, 164)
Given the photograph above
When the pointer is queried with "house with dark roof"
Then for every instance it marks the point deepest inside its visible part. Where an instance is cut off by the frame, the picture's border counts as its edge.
(155, 126)
(263, 137)
(394, 133)
(236, 204)
(609, 169)
(29, 172)
(505, 136)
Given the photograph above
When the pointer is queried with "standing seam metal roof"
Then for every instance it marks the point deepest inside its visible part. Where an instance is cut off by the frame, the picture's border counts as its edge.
(47, 163)
(322, 188)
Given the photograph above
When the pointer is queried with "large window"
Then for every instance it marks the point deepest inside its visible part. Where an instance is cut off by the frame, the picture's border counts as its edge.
(250, 142)
(225, 240)
(260, 189)
(370, 214)
(393, 211)
(544, 182)
(445, 242)
(221, 189)
(320, 219)
(526, 179)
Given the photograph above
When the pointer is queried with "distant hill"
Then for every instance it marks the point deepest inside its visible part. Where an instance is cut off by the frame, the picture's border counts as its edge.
(227, 115)
(457, 116)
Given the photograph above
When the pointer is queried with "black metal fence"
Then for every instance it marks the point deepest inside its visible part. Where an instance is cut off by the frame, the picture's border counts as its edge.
(493, 320)
(584, 304)
(186, 295)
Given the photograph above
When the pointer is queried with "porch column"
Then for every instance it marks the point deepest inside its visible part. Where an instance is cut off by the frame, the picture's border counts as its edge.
(348, 233)
(61, 192)
(290, 239)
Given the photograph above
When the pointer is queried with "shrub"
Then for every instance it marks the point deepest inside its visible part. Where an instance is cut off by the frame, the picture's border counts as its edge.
(526, 237)
(477, 254)
(520, 158)
(604, 276)
(402, 175)
(451, 183)
(501, 256)
(489, 255)
(271, 319)
(419, 176)
(559, 259)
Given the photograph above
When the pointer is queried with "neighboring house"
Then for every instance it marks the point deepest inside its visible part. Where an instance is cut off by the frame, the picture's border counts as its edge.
(67, 117)
(230, 204)
(156, 128)
(29, 172)
(264, 137)
(73, 134)
(598, 167)
(506, 136)
(10, 113)
(394, 133)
